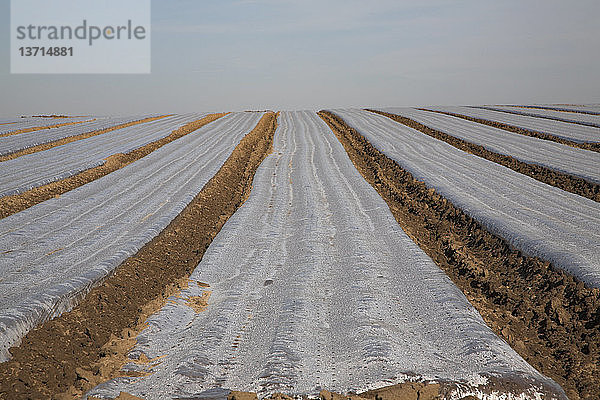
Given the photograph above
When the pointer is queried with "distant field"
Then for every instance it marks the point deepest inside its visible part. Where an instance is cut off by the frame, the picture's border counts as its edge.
(399, 253)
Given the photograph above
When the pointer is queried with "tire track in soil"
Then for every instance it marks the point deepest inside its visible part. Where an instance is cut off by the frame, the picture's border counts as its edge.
(41, 128)
(65, 357)
(70, 139)
(561, 180)
(550, 318)
(18, 202)
(522, 131)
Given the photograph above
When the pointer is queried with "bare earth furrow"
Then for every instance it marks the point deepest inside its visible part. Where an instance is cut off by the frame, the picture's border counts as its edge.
(312, 284)
(583, 137)
(538, 219)
(577, 109)
(51, 360)
(55, 252)
(38, 124)
(573, 118)
(18, 202)
(34, 170)
(13, 144)
(60, 142)
(575, 171)
(549, 317)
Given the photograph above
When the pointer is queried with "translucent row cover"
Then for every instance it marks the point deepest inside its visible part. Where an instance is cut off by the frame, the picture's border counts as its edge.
(585, 119)
(37, 169)
(558, 157)
(565, 130)
(538, 219)
(53, 253)
(314, 285)
(11, 144)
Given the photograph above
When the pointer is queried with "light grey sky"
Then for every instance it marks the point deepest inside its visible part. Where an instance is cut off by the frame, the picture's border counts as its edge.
(282, 54)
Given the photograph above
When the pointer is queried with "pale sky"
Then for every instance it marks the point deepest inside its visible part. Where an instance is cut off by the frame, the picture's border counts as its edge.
(284, 54)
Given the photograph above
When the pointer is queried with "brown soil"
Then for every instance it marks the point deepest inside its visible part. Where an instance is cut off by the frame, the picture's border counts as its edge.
(427, 390)
(550, 318)
(70, 139)
(404, 391)
(550, 117)
(40, 128)
(18, 202)
(198, 303)
(549, 176)
(527, 132)
(560, 109)
(70, 354)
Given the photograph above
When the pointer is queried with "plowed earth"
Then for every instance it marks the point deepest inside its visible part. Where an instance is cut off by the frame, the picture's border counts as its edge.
(70, 139)
(70, 354)
(19, 202)
(557, 179)
(39, 128)
(587, 112)
(551, 319)
(527, 132)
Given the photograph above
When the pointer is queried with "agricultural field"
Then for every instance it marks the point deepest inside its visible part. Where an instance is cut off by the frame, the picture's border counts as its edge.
(558, 115)
(384, 253)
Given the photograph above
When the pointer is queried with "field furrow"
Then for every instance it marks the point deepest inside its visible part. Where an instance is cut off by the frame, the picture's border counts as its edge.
(536, 218)
(590, 109)
(548, 162)
(16, 143)
(562, 130)
(53, 253)
(544, 313)
(312, 284)
(574, 118)
(37, 169)
(12, 204)
(572, 161)
(16, 126)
